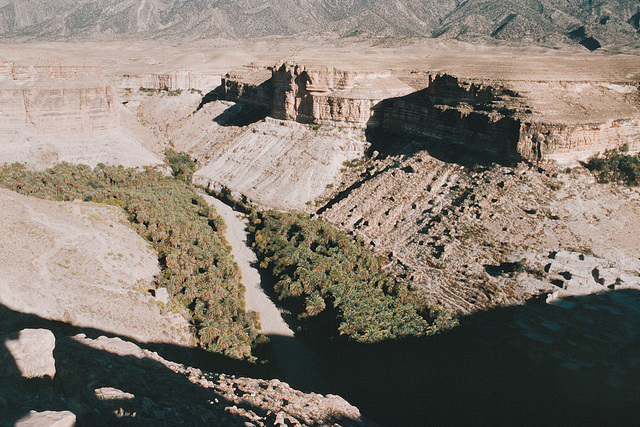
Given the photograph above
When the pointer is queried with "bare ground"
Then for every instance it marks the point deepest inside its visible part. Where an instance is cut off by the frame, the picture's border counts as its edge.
(81, 263)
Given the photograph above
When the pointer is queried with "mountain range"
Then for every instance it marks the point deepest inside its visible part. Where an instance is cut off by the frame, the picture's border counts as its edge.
(593, 24)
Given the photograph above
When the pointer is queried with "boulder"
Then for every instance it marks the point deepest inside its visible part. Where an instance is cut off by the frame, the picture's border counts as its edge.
(32, 352)
(162, 295)
(110, 393)
(48, 419)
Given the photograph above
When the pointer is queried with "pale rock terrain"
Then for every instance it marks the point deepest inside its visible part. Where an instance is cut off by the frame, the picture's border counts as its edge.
(451, 229)
(281, 164)
(32, 353)
(55, 113)
(81, 263)
(48, 419)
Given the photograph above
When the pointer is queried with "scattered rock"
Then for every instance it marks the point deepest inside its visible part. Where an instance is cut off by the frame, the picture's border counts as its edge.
(110, 393)
(48, 419)
(32, 352)
(162, 295)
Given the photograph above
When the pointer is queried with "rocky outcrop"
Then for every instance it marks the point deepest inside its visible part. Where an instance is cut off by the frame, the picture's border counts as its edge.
(63, 113)
(32, 353)
(281, 164)
(456, 232)
(50, 114)
(48, 419)
(250, 85)
(540, 121)
(183, 80)
(568, 143)
(498, 120)
(313, 94)
(64, 102)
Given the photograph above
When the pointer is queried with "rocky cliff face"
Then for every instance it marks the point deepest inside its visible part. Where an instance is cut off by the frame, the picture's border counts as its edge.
(171, 81)
(568, 143)
(561, 121)
(54, 113)
(41, 99)
(318, 95)
(497, 120)
(62, 113)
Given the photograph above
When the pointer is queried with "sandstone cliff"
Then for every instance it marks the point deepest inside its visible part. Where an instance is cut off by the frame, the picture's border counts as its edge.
(183, 80)
(534, 121)
(53, 113)
(314, 94)
(560, 122)
(62, 101)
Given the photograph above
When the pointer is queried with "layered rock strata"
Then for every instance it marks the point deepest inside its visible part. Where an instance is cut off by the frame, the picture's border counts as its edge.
(318, 95)
(495, 119)
(183, 80)
(534, 121)
(60, 101)
(54, 113)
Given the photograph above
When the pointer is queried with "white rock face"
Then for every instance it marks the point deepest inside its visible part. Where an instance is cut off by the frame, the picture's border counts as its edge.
(32, 352)
(110, 393)
(162, 295)
(281, 164)
(48, 419)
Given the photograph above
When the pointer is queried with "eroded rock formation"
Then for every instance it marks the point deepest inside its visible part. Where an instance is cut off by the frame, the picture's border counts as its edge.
(536, 121)
(313, 94)
(182, 80)
(59, 101)
(566, 123)
(71, 113)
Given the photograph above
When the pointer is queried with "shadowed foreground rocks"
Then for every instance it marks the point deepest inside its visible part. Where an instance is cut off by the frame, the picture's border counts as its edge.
(102, 379)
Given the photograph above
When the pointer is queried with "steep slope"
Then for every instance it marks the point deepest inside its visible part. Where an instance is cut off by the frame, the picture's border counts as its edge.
(470, 238)
(84, 265)
(550, 22)
(54, 113)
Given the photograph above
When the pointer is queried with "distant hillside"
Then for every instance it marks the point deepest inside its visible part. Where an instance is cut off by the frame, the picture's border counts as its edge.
(607, 23)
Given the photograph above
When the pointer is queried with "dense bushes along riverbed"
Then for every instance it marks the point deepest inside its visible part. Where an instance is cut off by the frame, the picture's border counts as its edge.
(197, 268)
(334, 284)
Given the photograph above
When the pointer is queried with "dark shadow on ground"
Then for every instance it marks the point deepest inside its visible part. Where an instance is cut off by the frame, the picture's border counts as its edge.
(574, 363)
(241, 115)
(392, 143)
(162, 396)
(458, 128)
(216, 94)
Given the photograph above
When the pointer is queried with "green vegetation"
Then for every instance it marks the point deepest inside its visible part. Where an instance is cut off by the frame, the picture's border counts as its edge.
(197, 268)
(616, 166)
(152, 91)
(149, 90)
(334, 284)
(182, 165)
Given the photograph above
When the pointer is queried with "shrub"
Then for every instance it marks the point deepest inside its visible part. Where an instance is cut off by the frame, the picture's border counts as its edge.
(323, 275)
(182, 165)
(616, 166)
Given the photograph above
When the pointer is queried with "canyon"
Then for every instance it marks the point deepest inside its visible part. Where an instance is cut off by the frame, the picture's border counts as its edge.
(458, 164)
